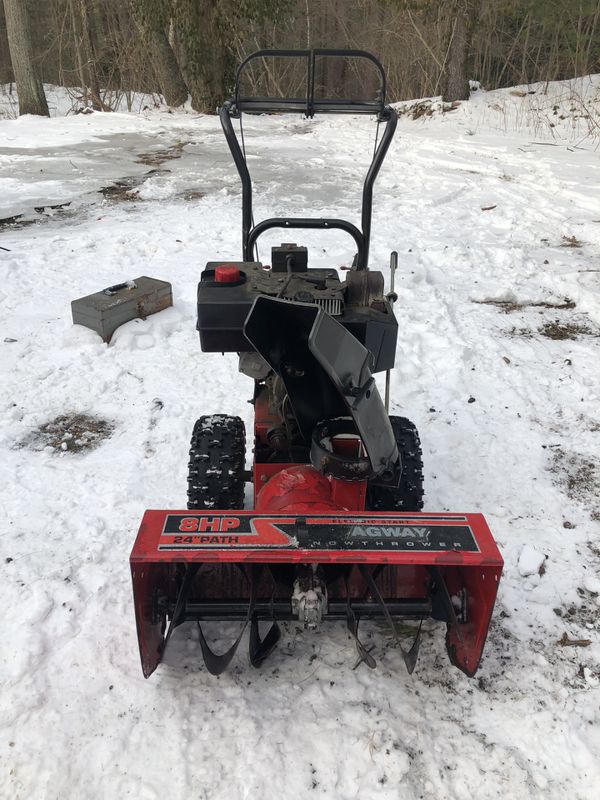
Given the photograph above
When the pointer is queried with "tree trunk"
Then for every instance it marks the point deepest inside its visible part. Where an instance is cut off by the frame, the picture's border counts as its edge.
(201, 38)
(6, 70)
(166, 69)
(456, 85)
(90, 58)
(30, 89)
(164, 63)
(77, 49)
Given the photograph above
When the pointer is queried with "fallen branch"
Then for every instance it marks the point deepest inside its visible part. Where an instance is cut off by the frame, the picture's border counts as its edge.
(564, 641)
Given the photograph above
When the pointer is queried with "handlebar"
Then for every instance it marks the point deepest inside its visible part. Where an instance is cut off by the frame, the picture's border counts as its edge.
(305, 222)
(308, 105)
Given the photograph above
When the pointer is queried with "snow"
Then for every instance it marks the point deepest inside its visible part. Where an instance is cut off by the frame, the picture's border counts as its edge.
(590, 678)
(530, 561)
(591, 584)
(479, 296)
(554, 112)
(63, 101)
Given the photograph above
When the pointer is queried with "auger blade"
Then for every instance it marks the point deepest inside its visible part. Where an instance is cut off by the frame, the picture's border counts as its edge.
(242, 565)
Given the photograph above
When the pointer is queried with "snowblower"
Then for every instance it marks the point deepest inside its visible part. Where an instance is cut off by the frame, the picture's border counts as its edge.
(336, 531)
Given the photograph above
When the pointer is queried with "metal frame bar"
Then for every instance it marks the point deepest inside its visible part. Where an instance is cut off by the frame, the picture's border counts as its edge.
(233, 109)
(281, 610)
(305, 222)
(309, 104)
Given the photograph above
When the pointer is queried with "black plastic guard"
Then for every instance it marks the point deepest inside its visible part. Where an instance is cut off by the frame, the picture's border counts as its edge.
(325, 370)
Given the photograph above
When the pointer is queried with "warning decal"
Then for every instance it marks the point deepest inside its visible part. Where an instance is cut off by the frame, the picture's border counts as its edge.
(205, 531)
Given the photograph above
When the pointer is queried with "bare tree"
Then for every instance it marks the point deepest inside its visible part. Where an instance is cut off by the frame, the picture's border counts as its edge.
(6, 72)
(152, 19)
(85, 52)
(456, 83)
(202, 36)
(111, 47)
(30, 89)
(91, 71)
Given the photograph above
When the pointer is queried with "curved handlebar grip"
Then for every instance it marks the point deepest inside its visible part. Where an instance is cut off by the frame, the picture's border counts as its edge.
(307, 222)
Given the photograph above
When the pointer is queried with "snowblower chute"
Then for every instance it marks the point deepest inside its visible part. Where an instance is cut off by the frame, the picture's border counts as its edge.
(337, 530)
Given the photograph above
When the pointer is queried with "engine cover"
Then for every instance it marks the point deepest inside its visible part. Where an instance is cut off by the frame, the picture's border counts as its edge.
(223, 305)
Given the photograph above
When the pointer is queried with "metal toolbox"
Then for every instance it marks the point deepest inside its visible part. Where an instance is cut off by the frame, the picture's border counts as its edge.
(106, 310)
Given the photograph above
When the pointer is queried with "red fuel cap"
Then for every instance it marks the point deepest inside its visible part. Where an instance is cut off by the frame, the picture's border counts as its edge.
(227, 273)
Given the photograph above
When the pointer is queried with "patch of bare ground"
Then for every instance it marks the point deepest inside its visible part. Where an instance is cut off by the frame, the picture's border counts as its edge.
(571, 241)
(589, 423)
(125, 189)
(579, 477)
(192, 194)
(39, 214)
(10, 221)
(119, 192)
(158, 157)
(509, 306)
(559, 330)
(72, 433)
(566, 330)
(426, 108)
(578, 617)
(594, 548)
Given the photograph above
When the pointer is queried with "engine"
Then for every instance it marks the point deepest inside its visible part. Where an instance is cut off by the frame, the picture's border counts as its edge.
(227, 291)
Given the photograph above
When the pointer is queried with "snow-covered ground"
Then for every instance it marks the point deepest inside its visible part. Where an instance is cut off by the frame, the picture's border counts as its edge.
(63, 101)
(498, 233)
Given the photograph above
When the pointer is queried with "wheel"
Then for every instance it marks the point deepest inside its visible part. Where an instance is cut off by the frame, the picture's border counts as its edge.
(217, 461)
(408, 496)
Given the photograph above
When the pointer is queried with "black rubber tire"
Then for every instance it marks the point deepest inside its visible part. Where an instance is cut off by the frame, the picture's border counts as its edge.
(408, 496)
(217, 463)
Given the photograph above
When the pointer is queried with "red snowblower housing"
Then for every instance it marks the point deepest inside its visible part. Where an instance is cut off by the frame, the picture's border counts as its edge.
(336, 530)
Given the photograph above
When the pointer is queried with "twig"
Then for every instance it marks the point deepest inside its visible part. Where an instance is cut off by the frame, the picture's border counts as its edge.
(564, 641)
